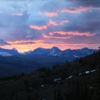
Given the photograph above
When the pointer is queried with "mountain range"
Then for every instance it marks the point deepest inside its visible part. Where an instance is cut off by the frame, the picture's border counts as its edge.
(54, 51)
(12, 62)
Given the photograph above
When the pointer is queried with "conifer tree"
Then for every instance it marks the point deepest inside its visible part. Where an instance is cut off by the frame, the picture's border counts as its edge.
(96, 95)
(59, 95)
(54, 98)
(28, 97)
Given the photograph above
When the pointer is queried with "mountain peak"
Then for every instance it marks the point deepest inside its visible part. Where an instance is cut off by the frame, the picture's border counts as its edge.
(85, 48)
(56, 48)
(39, 48)
(14, 49)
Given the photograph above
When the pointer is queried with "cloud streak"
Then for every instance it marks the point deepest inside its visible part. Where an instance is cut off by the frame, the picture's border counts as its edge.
(49, 14)
(55, 37)
(64, 21)
(37, 27)
(76, 10)
(74, 33)
(52, 23)
(17, 14)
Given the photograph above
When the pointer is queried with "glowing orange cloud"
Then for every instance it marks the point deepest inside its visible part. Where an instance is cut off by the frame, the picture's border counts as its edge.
(38, 27)
(17, 14)
(73, 33)
(20, 42)
(50, 14)
(24, 45)
(55, 37)
(39, 41)
(62, 46)
(76, 10)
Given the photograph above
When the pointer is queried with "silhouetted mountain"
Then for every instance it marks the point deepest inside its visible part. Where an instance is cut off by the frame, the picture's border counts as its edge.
(43, 52)
(8, 52)
(54, 51)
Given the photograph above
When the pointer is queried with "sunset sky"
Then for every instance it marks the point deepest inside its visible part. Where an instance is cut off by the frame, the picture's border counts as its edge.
(29, 24)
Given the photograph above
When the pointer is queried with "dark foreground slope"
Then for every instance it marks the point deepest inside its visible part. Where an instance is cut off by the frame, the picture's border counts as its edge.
(77, 80)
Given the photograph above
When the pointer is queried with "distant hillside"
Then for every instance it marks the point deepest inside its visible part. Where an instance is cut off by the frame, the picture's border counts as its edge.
(18, 64)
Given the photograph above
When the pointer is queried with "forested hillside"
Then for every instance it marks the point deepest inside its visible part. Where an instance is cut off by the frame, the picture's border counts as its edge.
(76, 80)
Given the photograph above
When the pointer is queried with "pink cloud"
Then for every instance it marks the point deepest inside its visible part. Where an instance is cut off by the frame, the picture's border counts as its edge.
(52, 23)
(40, 12)
(76, 10)
(50, 14)
(38, 27)
(73, 33)
(17, 14)
(54, 37)
(64, 21)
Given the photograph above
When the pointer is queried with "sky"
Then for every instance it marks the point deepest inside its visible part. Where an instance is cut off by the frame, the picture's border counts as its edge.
(29, 24)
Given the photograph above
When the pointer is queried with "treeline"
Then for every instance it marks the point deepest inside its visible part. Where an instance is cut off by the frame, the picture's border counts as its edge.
(15, 77)
(74, 91)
